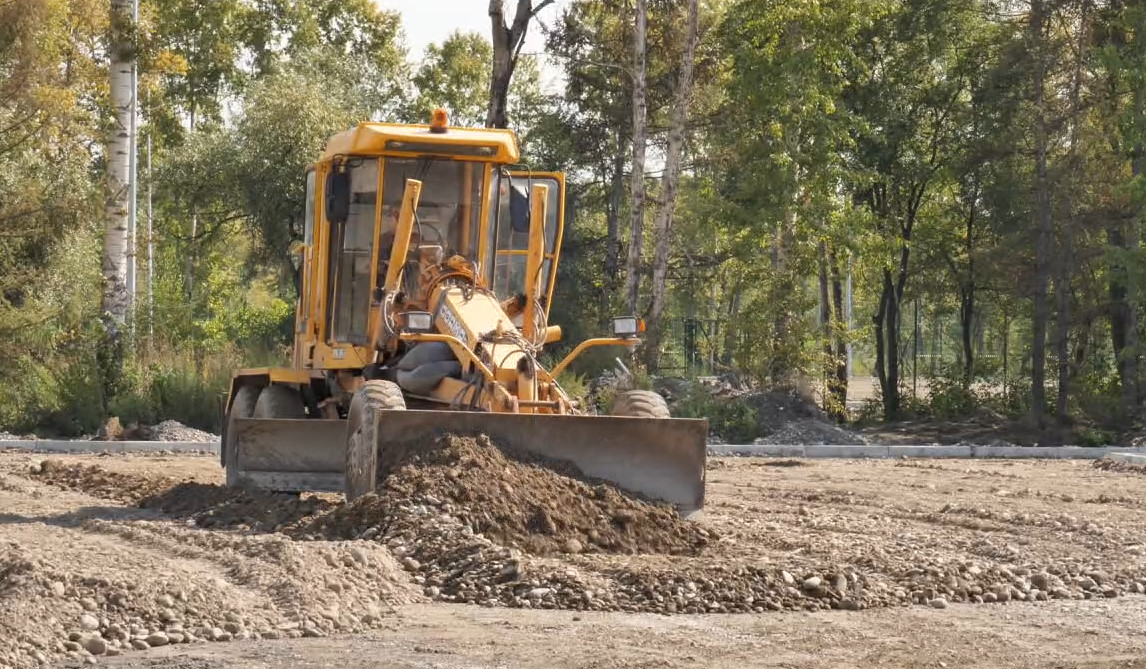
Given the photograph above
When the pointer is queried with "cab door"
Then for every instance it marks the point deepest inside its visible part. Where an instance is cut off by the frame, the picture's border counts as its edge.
(510, 233)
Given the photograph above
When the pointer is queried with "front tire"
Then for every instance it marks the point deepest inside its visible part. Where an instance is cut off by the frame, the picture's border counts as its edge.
(640, 404)
(242, 406)
(361, 445)
(279, 402)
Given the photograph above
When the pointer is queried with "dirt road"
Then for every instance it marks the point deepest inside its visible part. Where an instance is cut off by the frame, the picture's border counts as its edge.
(808, 538)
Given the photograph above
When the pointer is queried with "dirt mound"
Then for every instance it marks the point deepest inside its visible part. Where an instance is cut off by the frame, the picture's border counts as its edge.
(213, 506)
(100, 482)
(81, 579)
(1112, 465)
(809, 431)
(787, 417)
(541, 508)
(173, 430)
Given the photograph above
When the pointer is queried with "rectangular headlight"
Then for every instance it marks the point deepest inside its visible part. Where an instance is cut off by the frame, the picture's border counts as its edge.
(625, 326)
(419, 321)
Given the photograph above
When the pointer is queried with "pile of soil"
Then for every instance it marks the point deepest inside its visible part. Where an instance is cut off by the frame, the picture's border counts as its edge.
(811, 431)
(473, 524)
(99, 482)
(787, 417)
(540, 507)
(173, 430)
(1112, 465)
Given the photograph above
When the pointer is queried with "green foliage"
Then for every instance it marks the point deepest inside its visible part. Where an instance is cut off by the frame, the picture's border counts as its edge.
(731, 419)
(177, 387)
(454, 74)
(576, 386)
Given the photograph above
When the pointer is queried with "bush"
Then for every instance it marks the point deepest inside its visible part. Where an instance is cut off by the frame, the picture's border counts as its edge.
(731, 419)
(576, 386)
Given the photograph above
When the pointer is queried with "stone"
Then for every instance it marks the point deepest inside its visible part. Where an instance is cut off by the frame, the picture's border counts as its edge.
(72, 646)
(788, 578)
(1040, 581)
(573, 546)
(57, 588)
(157, 639)
(410, 564)
(89, 622)
(89, 604)
(95, 645)
(139, 644)
(938, 603)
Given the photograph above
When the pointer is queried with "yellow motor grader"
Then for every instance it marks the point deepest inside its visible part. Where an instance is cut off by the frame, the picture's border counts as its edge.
(427, 271)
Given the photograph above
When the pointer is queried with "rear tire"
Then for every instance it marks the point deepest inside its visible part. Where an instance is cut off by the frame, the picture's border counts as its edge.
(361, 449)
(640, 404)
(279, 402)
(242, 406)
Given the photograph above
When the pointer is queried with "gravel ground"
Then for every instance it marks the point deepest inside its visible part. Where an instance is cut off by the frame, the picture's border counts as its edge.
(86, 573)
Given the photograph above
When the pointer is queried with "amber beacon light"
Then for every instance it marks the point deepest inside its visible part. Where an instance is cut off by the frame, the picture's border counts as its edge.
(439, 120)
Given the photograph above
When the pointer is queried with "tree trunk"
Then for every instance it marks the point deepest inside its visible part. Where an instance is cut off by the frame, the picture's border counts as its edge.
(1066, 260)
(891, 331)
(507, 41)
(825, 326)
(840, 386)
(783, 283)
(1122, 236)
(613, 236)
(730, 332)
(967, 298)
(1043, 224)
(663, 222)
(880, 350)
(637, 187)
(115, 292)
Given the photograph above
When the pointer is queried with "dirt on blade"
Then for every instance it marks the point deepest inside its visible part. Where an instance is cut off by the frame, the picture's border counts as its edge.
(539, 507)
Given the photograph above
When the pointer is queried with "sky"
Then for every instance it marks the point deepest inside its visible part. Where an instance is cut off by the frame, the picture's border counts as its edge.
(431, 21)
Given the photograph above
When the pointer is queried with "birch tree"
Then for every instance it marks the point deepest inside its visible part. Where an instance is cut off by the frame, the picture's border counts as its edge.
(115, 294)
(640, 137)
(663, 223)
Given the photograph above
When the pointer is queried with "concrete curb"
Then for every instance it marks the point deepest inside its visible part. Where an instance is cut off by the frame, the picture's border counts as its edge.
(846, 451)
(64, 446)
(1137, 454)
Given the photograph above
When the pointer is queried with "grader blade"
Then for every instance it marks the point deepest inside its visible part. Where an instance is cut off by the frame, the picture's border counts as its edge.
(291, 455)
(660, 458)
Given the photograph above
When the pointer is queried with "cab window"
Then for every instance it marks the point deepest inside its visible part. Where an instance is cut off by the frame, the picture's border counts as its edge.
(512, 233)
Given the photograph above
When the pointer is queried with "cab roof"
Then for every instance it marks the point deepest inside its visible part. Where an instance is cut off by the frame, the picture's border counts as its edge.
(371, 139)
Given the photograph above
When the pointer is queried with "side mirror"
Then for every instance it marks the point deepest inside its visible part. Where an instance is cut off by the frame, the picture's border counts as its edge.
(337, 196)
(518, 210)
